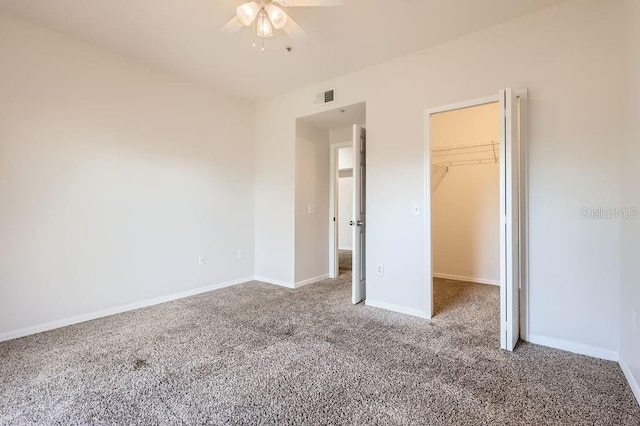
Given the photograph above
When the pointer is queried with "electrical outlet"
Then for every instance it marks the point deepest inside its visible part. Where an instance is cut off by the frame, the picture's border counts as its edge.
(240, 254)
(380, 269)
(312, 209)
(201, 260)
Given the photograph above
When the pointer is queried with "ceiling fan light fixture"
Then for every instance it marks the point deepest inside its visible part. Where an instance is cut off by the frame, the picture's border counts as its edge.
(266, 16)
(277, 16)
(264, 29)
(247, 12)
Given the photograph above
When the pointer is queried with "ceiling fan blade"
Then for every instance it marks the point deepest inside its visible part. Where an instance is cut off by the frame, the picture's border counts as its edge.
(294, 30)
(295, 3)
(232, 26)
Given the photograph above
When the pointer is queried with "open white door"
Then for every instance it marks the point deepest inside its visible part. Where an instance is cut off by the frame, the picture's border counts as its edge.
(509, 229)
(358, 224)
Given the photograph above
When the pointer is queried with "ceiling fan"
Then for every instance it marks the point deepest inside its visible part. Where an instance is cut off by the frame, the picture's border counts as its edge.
(267, 15)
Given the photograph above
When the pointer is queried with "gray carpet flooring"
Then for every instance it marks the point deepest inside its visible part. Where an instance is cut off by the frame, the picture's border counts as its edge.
(257, 354)
(344, 260)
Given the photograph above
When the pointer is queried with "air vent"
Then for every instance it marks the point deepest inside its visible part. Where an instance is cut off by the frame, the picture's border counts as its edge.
(324, 98)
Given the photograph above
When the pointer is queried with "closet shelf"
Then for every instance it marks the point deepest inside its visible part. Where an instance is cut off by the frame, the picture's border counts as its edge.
(466, 162)
(484, 152)
(458, 147)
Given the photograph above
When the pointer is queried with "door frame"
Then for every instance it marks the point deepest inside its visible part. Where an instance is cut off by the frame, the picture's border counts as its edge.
(334, 176)
(522, 94)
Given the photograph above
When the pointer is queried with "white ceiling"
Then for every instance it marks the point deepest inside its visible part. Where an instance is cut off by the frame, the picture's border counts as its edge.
(183, 36)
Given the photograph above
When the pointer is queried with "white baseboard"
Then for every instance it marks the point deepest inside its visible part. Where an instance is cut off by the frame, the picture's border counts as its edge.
(633, 382)
(290, 284)
(397, 308)
(311, 281)
(116, 310)
(275, 282)
(466, 279)
(577, 348)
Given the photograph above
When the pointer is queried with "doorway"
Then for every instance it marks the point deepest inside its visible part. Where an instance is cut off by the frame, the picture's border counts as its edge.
(344, 207)
(476, 187)
(347, 248)
(332, 144)
(465, 216)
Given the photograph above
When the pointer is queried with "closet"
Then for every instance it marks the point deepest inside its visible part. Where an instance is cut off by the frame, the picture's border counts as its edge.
(465, 184)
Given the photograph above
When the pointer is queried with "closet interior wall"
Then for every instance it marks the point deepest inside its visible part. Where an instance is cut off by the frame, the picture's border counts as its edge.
(466, 198)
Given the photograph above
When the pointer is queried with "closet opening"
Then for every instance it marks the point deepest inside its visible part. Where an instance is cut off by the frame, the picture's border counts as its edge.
(465, 214)
(476, 220)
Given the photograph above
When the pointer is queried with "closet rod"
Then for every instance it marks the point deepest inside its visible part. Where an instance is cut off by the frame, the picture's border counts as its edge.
(451, 154)
(467, 162)
(466, 146)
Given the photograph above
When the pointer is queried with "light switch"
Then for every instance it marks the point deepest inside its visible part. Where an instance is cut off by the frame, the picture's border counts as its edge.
(417, 209)
(312, 209)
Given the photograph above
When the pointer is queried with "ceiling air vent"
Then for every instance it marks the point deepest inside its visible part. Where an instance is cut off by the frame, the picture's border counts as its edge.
(326, 97)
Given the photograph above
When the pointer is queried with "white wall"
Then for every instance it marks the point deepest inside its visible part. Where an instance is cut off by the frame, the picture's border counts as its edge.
(466, 204)
(345, 213)
(312, 188)
(569, 58)
(275, 196)
(344, 134)
(630, 336)
(345, 199)
(345, 158)
(114, 178)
